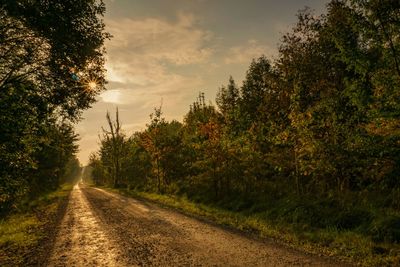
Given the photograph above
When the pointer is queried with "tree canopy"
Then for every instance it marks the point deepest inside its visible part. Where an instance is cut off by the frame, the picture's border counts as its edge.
(51, 69)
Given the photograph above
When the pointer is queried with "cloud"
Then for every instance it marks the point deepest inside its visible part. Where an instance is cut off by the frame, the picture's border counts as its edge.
(179, 42)
(142, 56)
(245, 53)
(111, 96)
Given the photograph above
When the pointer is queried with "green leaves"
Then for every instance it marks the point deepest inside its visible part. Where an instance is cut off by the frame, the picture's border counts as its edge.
(42, 44)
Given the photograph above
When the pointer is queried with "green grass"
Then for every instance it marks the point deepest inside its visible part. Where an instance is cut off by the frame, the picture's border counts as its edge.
(17, 230)
(24, 229)
(48, 199)
(293, 226)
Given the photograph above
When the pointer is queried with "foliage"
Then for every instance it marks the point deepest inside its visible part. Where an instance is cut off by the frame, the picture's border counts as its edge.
(310, 139)
(45, 83)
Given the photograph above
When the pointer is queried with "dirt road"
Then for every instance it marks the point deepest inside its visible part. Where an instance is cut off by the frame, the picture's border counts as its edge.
(105, 229)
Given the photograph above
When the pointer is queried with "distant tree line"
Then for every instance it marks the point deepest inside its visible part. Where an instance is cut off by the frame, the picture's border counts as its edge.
(321, 121)
(50, 54)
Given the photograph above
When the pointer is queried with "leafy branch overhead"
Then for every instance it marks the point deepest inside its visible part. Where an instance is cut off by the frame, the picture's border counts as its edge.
(51, 69)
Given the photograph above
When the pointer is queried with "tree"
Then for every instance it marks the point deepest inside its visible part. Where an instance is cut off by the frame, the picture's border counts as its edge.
(97, 169)
(253, 90)
(57, 147)
(228, 98)
(138, 166)
(152, 144)
(39, 29)
(113, 148)
(45, 83)
(73, 171)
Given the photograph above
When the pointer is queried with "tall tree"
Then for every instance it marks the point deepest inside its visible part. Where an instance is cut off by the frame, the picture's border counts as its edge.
(253, 90)
(113, 144)
(51, 68)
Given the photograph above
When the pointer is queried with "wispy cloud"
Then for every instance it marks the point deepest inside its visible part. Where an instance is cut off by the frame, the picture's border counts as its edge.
(244, 53)
(112, 96)
(180, 42)
(143, 53)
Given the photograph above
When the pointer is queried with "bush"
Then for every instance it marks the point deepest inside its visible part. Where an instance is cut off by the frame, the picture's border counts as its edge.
(353, 218)
(386, 229)
(308, 213)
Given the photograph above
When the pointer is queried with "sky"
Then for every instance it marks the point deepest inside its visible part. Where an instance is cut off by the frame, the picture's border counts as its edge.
(164, 52)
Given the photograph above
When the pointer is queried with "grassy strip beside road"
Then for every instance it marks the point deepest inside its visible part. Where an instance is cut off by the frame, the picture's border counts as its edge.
(26, 236)
(346, 245)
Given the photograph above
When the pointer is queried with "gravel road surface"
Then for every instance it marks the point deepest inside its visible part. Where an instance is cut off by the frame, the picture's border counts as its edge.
(106, 229)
